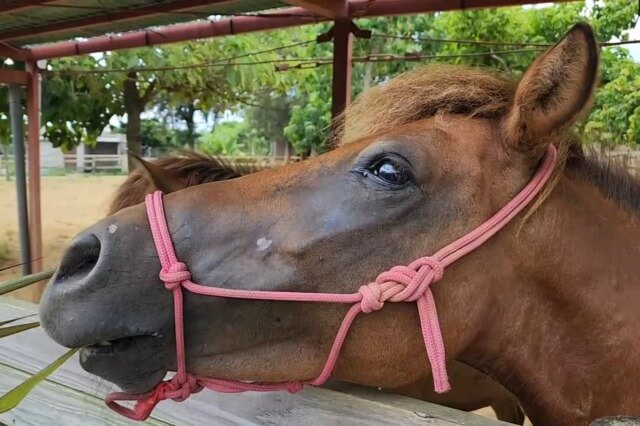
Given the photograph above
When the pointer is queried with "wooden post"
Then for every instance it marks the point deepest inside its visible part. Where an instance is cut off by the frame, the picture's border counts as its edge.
(342, 50)
(33, 158)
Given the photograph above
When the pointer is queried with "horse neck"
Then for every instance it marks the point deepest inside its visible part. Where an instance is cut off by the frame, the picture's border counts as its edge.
(562, 333)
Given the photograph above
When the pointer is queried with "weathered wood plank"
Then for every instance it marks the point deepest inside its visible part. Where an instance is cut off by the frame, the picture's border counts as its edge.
(430, 413)
(32, 350)
(616, 421)
(51, 404)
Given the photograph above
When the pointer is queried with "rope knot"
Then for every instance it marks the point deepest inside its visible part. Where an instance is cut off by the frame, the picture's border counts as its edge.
(294, 387)
(174, 275)
(179, 390)
(371, 297)
(431, 262)
(401, 284)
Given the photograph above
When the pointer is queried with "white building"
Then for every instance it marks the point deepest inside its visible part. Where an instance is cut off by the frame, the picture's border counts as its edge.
(109, 152)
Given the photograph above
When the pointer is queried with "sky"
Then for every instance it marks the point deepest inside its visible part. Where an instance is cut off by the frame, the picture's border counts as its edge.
(634, 49)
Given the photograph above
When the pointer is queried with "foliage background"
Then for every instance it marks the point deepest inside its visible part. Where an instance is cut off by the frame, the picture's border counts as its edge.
(231, 109)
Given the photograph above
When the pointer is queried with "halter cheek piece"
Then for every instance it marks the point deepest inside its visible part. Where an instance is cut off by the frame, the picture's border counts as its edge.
(409, 283)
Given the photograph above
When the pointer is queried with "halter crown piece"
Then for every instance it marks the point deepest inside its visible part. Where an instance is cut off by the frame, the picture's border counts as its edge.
(409, 283)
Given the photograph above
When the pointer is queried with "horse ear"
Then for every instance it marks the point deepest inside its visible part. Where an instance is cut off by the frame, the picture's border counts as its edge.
(158, 177)
(555, 90)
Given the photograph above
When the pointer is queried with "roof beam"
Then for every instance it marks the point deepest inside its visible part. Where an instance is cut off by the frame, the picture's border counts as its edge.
(9, 76)
(328, 8)
(291, 17)
(17, 53)
(362, 8)
(16, 5)
(104, 18)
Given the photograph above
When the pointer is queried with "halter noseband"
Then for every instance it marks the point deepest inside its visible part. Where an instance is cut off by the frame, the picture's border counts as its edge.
(409, 283)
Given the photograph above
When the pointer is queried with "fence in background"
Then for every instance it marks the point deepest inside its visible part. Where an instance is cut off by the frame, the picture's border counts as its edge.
(99, 163)
(94, 163)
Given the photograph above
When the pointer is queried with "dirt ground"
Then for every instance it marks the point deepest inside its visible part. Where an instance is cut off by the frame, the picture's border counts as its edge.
(69, 205)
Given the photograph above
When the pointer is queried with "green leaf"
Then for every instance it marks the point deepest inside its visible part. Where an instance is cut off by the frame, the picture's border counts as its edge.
(12, 398)
(18, 283)
(8, 331)
(15, 319)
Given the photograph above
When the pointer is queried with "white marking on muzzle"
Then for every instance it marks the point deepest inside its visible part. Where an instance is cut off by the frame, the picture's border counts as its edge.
(263, 244)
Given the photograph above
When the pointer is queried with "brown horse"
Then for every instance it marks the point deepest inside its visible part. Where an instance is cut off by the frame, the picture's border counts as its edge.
(548, 306)
(471, 391)
(172, 173)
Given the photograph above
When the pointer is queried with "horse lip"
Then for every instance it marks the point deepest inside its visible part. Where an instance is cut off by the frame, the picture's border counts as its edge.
(135, 364)
(109, 346)
(115, 343)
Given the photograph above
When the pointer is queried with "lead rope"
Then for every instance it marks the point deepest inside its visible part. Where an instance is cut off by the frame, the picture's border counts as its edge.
(409, 283)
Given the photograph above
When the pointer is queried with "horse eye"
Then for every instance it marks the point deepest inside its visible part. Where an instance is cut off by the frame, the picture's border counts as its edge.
(391, 172)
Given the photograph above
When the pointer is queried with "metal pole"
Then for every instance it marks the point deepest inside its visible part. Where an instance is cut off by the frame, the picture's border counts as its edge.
(17, 135)
(342, 49)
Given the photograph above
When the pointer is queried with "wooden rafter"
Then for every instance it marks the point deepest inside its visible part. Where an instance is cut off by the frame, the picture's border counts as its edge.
(109, 18)
(17, 5)
(328, 8)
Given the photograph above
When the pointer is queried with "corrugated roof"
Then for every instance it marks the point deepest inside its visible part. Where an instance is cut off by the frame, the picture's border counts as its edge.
(28, 22)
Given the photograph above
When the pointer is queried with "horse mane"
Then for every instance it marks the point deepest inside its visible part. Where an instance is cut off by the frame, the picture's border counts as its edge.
(475, 92)
(198, 167)
(425, 92)
(611, 178)
(193, 168)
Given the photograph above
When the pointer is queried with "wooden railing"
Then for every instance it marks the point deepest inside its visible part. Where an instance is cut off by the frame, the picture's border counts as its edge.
(260, 160)
(94, 162)
(91, 163)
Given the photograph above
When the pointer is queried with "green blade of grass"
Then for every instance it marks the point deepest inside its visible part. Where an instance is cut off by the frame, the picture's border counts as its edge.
(11, 399)
(8, 331)
(17, 283)
(15, 319)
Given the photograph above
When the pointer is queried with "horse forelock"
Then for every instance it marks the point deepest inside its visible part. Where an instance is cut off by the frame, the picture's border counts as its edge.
(425, 92)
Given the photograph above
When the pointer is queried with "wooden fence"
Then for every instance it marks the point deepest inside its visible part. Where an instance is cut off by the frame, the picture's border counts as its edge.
(94, 163)
(102, 162)
(261, 160)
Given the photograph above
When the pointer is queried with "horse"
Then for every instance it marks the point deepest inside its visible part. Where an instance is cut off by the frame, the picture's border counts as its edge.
(471, 391)
(548, 306)
(172, 173)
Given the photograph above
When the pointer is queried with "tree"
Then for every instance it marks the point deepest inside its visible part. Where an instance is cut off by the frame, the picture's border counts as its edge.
(228, 138)
(77, 107)
(616, 103)
(267, 118)
(308, 129)
(129, 81)
(616, 114)
(171, 81)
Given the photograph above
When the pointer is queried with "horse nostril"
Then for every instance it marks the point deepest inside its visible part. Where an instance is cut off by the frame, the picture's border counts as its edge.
(79, 259)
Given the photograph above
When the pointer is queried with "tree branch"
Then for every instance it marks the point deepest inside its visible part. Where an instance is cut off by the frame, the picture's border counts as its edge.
(148, 94)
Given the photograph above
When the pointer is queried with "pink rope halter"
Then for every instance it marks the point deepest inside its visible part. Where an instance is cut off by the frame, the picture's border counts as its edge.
(399, 284)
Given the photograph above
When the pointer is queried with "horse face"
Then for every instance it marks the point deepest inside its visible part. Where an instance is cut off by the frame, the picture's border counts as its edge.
(329, 224)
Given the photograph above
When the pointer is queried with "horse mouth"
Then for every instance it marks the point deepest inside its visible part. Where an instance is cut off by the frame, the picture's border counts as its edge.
(110, 347)
(134, 363)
